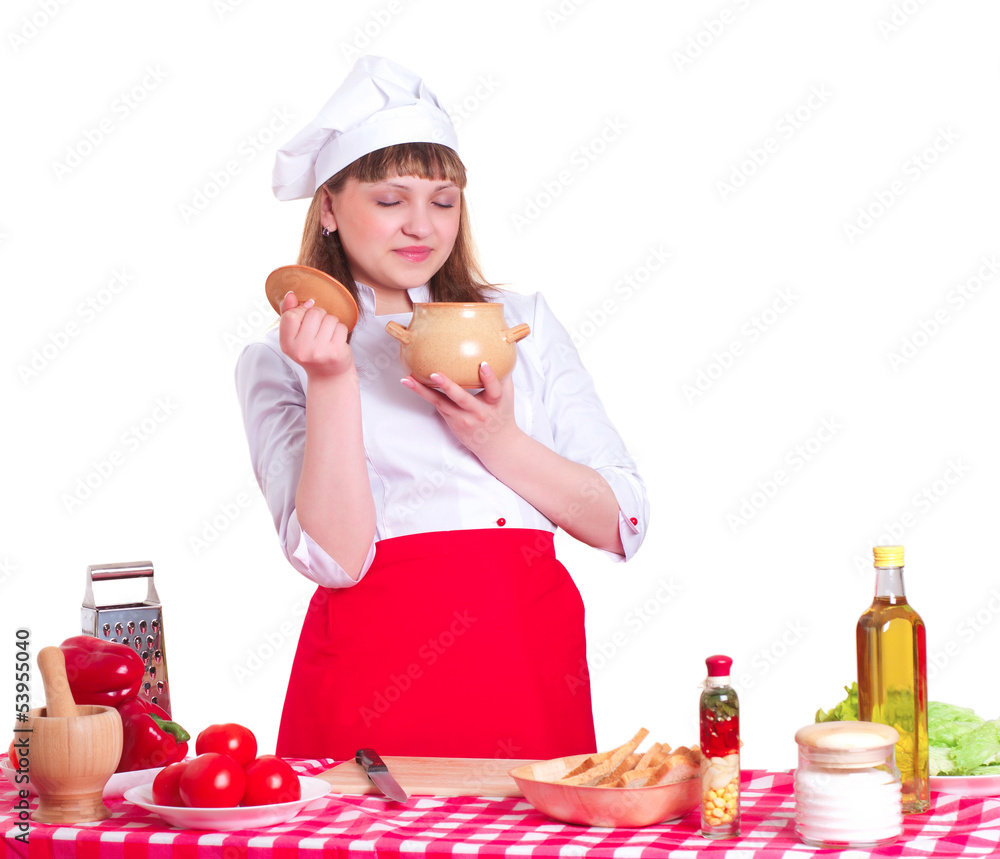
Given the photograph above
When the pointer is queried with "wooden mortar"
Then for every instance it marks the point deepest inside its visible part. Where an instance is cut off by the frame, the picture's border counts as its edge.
(73, 750)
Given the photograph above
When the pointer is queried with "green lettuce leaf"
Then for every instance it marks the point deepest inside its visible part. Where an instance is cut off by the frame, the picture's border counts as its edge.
(936, 711)
(990, 769)
(939, 760)
(977, 748)
(845, 711)
(947, 724)
(960, 742)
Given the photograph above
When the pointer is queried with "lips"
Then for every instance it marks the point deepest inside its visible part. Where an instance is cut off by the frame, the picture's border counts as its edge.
(414, 253)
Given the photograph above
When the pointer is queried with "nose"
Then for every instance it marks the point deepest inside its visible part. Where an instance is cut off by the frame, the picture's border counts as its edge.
(418, 222)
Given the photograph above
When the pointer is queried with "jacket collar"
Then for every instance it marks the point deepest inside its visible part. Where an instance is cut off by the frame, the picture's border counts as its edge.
(366, 296)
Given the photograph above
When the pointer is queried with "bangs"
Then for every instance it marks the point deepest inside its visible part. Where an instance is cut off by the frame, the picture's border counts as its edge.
(423, 160)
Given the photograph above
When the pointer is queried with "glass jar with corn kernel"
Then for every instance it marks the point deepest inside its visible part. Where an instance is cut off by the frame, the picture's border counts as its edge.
(719, 719)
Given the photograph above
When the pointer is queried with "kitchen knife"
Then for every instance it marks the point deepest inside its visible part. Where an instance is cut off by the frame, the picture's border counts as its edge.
(378, 772)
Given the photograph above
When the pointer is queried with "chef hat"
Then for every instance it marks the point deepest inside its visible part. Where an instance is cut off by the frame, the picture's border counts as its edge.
(379, 104)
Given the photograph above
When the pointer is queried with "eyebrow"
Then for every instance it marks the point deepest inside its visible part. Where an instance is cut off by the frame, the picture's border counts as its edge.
(403, 186)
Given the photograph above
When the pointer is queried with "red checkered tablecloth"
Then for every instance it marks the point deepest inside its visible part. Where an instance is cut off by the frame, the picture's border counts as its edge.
(369, 826)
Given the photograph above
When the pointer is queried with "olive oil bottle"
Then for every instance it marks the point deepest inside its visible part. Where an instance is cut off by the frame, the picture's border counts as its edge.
(892, 674)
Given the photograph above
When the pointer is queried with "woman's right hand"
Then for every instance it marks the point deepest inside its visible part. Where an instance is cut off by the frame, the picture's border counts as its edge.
(313, 338)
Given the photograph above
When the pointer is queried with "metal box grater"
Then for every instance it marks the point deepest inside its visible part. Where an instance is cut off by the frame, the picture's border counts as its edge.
(139, 625)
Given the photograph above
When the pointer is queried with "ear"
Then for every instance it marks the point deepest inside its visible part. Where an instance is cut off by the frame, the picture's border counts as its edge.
(326, 215)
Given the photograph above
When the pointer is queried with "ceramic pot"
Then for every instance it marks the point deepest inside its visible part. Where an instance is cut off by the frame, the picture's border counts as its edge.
(454, 338)
(71, 759)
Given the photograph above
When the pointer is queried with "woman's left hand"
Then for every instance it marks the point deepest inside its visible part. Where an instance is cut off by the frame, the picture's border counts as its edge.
(572, 495)
(483, 422)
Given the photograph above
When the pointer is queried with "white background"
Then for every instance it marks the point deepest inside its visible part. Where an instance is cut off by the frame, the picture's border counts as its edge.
(752, 373)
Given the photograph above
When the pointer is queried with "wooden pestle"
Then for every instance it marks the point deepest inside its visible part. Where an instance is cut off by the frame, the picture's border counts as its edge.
(59, 701)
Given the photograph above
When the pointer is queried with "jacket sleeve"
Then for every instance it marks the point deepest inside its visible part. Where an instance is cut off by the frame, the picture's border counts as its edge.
(273, 403)
(581, 428)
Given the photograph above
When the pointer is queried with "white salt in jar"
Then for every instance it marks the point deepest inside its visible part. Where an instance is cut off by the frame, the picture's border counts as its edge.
(847, 787)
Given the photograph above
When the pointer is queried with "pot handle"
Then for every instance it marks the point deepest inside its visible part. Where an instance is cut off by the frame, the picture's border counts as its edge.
(512, 335)
(403, 335)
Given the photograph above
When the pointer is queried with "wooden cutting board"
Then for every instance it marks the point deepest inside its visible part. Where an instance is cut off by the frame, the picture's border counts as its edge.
(432, 776)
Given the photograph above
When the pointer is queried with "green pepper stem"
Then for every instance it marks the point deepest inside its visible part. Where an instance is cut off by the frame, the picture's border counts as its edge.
(179, 733)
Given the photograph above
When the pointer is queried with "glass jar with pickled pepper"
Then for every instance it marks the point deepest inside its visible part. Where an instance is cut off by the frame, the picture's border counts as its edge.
(719, 720)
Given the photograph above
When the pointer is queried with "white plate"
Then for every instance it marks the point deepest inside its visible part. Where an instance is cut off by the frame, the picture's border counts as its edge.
(115, 788)
(967, 785)
(240, 817)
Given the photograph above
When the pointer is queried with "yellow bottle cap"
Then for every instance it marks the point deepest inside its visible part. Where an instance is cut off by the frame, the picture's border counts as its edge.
(888, 556)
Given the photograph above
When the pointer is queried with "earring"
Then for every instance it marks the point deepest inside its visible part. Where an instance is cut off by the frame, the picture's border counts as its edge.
(326, 232)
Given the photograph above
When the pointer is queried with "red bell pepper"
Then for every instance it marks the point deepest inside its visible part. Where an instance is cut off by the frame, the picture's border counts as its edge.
(101, 672)
(149, 738)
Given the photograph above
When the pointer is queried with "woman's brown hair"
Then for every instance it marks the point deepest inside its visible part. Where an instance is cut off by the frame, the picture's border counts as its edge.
(459, 279)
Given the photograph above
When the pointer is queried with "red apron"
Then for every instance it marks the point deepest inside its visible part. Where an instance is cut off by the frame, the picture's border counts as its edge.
(454, 644)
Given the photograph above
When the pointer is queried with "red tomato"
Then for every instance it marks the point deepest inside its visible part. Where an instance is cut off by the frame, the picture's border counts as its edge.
(167, 783)
(212, 780)
(271, 779)
(228, 739)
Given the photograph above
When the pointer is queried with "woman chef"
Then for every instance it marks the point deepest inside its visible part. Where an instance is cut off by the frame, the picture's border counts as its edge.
(442, 625)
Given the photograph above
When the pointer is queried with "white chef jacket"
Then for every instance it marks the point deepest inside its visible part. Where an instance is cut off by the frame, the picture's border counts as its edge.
(422, 478)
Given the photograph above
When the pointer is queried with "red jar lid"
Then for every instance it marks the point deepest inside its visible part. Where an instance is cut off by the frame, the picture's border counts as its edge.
(718, 666)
